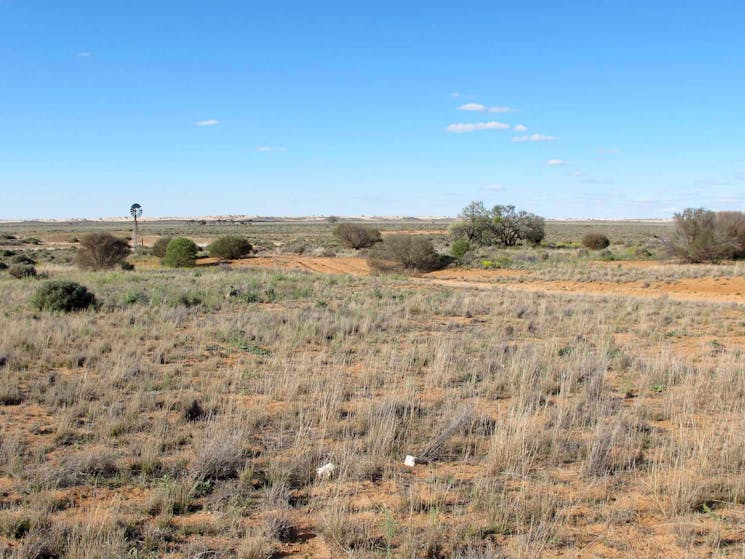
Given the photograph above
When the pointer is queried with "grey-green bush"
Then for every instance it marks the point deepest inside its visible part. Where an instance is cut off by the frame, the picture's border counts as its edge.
(595, 241)
(408, 252)
(229, 247)
(159, 246)
(101, 251)
(181, 253)
(63, 296)
(356, 236)
(20, 271)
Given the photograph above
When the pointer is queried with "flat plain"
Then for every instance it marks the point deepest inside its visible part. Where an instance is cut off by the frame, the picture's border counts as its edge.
(561, 402)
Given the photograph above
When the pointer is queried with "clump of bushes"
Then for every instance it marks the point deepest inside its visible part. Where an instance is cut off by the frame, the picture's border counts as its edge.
(22, 259)
(3, 266)
(229, 247)
(62, 296)
(595, 241)
(159, 246)
(20, 271)
(181, 253)
(405, 252)
(101, 251)
(705, 236)
(357, 236)
(500, 225)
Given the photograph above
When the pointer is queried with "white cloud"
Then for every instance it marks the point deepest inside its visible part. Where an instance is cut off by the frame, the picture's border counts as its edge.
(519, 128)
(471, 126)
(495, 187)
(455, 95)
(472, 107)
(555, 162)
(84, 54)
(210, 122)
(266, 149)
(534, 138)
(479, 108)
(578, 174)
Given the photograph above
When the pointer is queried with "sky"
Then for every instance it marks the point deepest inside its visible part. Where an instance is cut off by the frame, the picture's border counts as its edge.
(584, 109)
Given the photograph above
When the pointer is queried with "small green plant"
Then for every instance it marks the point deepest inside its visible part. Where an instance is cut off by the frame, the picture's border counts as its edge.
(229, 247)
(181, 253)
(460, 247)
(62, 296)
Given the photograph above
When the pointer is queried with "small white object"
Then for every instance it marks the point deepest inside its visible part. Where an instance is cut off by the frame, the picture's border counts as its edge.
(325, 471)
(410, 461)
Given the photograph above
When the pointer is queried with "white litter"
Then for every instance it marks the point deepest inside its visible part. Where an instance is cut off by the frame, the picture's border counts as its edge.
(325, 471)
(410, 461)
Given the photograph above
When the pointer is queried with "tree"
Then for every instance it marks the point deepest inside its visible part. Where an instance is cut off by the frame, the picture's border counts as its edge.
(181, 253)
(503, 225)
(99, 251)
(357, 236)
(135, 211)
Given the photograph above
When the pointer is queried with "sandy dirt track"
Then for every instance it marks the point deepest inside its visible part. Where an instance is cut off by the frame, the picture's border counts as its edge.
(707, 289)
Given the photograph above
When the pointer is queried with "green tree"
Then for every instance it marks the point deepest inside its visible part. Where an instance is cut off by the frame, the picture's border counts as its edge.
(181, 253)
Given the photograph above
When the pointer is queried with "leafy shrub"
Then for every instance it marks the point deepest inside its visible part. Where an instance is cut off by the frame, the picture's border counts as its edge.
(704, 236)
(459, 248)
(31, 241)
(595, 241)
(357, 236)
(22, 271)
(3, 266)
(127, 266)
(99, 251)
(63, 296)
(160, 246)
(22, 259)
(181, 253)
(229, 247)
(409, 252)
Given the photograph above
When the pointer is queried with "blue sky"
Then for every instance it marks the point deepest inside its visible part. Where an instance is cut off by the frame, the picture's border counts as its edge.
(626, 109)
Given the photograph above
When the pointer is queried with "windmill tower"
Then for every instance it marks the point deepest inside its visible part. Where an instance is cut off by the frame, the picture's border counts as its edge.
(135, 211)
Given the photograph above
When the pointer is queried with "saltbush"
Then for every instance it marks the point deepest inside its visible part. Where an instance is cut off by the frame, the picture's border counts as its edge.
(357, 236)
(229, 247)
(22, 259)
(595, 241)
(62, 296)
(704, 236)
(181, 253)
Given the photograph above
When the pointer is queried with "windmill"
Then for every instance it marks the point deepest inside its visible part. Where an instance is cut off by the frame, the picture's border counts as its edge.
(135, 211)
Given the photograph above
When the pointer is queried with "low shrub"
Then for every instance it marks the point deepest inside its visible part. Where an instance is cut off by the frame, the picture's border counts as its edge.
(459, 248)
(22, 271)
(408, 252)
(181, 253)
(595, 241)
(101, 251)
(22, 259)
(63, 296)
(3, 266)
(159, 246)
(229, 247)
(357, 236)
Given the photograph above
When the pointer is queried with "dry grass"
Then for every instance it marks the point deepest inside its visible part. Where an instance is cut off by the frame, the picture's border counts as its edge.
(177, 423)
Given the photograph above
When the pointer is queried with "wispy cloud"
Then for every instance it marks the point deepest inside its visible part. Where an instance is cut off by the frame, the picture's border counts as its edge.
(210, 122)
(578, 174)
(84, 54)
(534, 138)
(479, 108)
(555, 162)
(472, 126)
(267, 149)
(520, 128)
